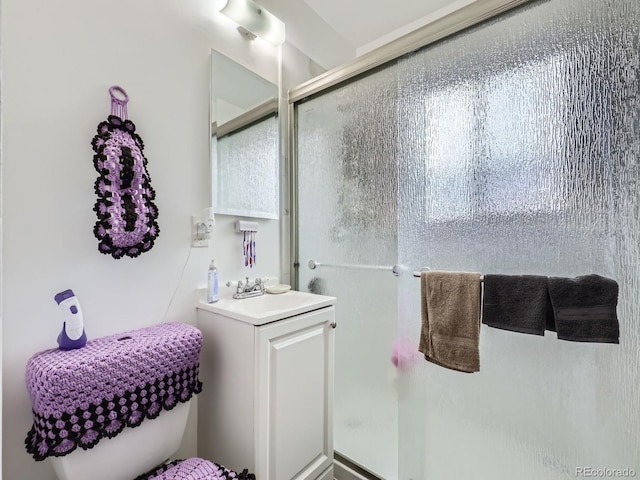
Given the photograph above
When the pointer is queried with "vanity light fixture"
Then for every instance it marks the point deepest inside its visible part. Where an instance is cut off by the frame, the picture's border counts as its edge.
(255, 21)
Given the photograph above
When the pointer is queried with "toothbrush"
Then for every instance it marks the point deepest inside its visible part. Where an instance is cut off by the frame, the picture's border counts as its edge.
(253, 246)
(245, 248)
(72, 335)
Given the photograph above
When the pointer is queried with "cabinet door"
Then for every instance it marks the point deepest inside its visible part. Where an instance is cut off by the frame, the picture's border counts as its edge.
(294, 401)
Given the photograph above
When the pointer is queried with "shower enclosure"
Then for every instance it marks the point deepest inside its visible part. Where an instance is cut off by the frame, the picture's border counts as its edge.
(511, 147)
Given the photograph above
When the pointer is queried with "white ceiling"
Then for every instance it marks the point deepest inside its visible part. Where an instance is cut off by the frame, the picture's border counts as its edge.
(332, 32)
(362, 22)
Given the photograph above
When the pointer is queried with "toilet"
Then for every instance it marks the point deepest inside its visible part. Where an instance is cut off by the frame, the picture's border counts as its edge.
(117, 408)
(130, 454)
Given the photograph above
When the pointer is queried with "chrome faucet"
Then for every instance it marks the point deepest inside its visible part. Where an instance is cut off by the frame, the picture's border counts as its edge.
(248, 289)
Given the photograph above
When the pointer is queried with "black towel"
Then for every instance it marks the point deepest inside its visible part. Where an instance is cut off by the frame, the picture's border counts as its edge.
(585, 308)
(518, 303)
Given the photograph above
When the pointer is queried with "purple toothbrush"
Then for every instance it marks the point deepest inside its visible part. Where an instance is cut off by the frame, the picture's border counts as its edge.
(253, 246)
(245, 249)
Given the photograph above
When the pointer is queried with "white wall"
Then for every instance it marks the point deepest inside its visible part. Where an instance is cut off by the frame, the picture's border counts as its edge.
(59, 58)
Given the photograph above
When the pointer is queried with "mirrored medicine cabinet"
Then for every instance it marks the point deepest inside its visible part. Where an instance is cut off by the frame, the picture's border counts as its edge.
(245, 149)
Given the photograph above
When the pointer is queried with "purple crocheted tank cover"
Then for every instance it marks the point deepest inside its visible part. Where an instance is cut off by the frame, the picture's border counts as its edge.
(81, 396)
(126, 212)
(195, 469)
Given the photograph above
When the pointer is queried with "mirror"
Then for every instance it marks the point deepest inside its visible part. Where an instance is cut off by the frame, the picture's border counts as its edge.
(245, 148)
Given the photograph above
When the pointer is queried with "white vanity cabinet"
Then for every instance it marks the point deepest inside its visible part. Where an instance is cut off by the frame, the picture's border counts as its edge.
(267, 372)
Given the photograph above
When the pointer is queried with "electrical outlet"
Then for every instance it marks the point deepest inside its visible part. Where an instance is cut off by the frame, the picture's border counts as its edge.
(197, 232)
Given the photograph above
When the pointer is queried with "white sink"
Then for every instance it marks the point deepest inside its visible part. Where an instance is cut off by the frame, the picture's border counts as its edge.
(265, 308)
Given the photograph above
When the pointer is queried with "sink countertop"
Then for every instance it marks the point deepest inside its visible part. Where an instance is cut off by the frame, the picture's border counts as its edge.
(264, 308)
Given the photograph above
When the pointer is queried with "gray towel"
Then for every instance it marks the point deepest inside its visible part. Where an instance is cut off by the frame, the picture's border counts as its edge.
(518, 303)
(451, 319)
(585, 308)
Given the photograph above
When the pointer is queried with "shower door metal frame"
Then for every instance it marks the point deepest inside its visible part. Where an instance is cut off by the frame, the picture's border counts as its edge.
(471, 13)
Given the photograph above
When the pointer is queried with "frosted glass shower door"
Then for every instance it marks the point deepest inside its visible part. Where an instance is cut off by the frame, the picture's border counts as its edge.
(347, 222)
(518, 154)
(512, 147)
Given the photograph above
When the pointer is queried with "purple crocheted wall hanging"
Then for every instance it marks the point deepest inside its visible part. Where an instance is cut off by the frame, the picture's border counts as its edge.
(126, 213)
(79, 397)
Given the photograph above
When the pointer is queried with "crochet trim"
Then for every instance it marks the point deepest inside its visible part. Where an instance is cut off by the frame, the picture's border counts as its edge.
(60, 434)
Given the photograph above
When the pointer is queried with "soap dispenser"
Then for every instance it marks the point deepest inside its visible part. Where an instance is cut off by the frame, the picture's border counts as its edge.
(213, 293)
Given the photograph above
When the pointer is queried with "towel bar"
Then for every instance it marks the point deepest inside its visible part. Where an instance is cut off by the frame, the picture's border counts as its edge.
(395, 269)
(418, 274)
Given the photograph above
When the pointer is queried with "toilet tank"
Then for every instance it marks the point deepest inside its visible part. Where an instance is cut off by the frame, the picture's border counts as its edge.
(116, 408)
(133, 452)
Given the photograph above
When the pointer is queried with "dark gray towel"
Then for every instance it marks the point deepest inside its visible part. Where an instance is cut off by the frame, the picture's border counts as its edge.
(585, 308)
(518, 303)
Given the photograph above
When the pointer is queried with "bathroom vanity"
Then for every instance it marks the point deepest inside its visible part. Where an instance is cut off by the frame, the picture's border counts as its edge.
(267, 373)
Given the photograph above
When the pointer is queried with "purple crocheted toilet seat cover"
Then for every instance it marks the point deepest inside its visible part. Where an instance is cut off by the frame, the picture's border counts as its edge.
(81, 396)
(195, 469)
